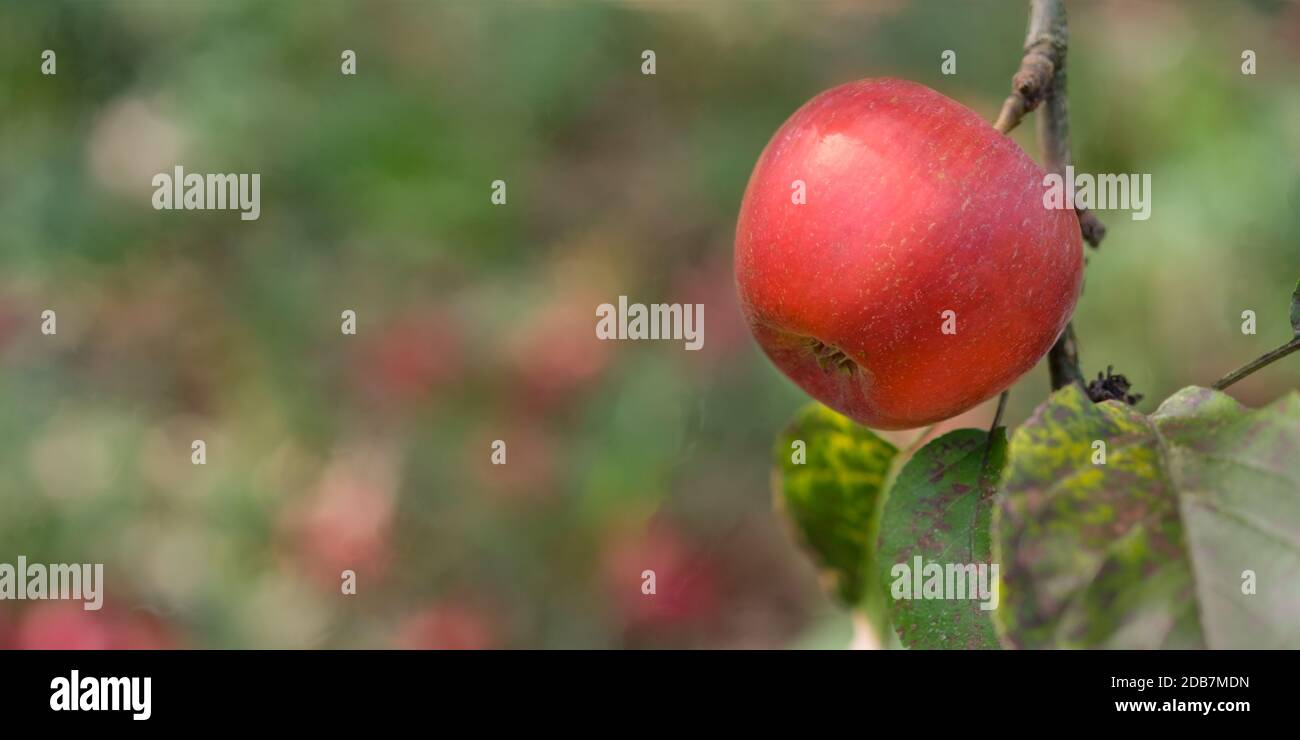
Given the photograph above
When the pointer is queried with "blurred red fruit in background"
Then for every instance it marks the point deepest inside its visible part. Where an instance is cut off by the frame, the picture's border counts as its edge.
(410, 357)
(346, 522)
(8, 630)
(686, 580)
(447, 627)
(65, 625)
(556, 351)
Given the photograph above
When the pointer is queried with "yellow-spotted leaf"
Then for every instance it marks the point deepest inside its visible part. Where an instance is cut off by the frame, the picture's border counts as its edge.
(1177, 530)
(829, 479)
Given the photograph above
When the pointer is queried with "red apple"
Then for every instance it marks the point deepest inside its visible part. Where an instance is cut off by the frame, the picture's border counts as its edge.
(914, 206)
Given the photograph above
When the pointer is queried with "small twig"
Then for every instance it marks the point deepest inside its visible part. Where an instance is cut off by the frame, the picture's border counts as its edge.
(1265, 359)
(997, 420)
(1049, 35)
(1063, 360)
(987, 490)
(1091, 227)
(1044, 54)
(1041, 80)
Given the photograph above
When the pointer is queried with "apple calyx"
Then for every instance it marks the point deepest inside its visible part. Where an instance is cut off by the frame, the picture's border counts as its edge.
(831, 358)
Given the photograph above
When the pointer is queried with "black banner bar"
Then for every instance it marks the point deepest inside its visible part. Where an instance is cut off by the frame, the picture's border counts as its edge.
(241, 688)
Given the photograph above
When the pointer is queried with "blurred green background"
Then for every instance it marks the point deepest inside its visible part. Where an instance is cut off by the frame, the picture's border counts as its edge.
(476, 322)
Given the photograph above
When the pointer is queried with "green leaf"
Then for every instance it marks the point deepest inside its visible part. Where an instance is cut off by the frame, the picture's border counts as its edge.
(1295, 310)
(939, 509)
(1152, 548)
(1238, 473)
(833, 499)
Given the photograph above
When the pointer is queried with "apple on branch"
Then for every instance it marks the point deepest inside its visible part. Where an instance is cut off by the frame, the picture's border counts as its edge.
(894, 256)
